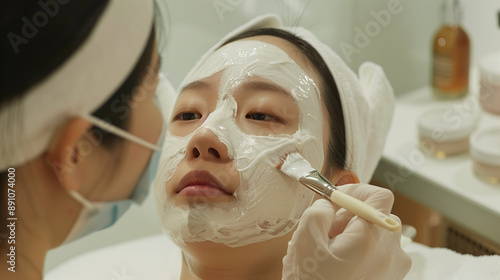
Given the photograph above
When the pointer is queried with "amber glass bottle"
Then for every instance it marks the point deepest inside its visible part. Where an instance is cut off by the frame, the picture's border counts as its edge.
(451, 49)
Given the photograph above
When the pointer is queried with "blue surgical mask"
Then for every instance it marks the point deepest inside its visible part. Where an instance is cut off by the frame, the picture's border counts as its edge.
(96, 216)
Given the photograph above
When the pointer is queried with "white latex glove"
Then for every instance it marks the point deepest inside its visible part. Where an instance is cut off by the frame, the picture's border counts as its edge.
(332, 243)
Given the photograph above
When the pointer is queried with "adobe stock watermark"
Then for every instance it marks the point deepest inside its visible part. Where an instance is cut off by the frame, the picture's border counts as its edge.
(307, 268)
(454, 117)
(30, 27)
(223, 6)
(126, 102)
(363, 37)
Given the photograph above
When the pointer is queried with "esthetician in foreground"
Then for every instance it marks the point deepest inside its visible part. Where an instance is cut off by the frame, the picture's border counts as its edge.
(81, 118)
(81, 122)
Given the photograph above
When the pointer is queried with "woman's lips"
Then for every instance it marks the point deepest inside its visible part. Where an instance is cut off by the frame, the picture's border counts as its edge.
(201, 183)
(201, 190)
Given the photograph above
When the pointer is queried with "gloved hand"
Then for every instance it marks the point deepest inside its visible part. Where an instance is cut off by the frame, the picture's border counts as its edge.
(332, 243)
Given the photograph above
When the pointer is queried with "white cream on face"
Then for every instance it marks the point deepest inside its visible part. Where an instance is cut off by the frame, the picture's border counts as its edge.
(267, 203)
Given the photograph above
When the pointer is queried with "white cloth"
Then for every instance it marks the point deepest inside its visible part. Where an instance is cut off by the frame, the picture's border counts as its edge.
(367, 102)
(80, 85)
(149, 258)
(442, 263)
(156, 257)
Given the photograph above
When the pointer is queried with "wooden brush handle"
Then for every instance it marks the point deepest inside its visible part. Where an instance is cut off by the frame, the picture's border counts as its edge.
(364, 211)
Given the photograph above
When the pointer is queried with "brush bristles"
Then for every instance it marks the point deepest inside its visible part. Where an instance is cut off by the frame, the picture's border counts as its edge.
(282, 159)
(283, 153)
(296, 166)
(280, 164)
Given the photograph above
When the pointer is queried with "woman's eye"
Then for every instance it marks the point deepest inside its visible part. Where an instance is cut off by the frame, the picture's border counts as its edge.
(260, 117)
(188, 116)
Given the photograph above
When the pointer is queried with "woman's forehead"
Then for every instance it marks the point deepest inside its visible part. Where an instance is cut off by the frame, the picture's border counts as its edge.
(249, 61)
(291, 50)
(262, 52)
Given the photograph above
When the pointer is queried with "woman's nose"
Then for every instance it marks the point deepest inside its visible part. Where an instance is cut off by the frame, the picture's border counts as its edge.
(206, 145)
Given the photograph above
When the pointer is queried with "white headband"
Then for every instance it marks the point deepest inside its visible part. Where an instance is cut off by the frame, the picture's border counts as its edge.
(79, 86)
(367, 102)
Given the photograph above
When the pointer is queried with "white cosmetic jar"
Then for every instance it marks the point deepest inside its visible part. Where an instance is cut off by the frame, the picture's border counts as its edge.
(485, 152)
(444, 131)
(489, 83)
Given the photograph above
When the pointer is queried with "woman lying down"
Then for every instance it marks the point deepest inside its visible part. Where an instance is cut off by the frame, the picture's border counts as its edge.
(264, 92)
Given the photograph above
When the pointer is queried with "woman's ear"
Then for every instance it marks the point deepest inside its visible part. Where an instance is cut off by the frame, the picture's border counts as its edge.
(64, 153)
(343, 177)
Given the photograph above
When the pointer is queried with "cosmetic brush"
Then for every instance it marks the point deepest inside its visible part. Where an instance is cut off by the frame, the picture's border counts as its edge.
(298, 168)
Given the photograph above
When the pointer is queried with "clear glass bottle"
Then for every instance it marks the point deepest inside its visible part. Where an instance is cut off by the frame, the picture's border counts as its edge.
(451, 50)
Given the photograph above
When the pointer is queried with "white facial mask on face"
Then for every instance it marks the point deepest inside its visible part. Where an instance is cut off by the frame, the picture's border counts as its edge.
(267, 203)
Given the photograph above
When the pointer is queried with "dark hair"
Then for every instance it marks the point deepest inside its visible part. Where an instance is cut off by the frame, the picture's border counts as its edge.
(25, 65)
(38, 37)
(337, 148)
(66, 27)
(116, 109)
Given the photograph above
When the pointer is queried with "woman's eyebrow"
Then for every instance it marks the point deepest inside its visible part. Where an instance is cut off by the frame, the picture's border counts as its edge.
(197, 85)
(263, 85)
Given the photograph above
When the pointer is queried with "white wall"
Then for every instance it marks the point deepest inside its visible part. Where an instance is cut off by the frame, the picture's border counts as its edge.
(194, 30)
(481, 23)
(402, 47)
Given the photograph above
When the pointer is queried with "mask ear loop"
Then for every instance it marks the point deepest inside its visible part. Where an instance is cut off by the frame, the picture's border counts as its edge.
(118, 131)
(83, 201)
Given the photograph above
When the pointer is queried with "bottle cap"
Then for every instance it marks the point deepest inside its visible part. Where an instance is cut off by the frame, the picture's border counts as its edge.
(452, 12)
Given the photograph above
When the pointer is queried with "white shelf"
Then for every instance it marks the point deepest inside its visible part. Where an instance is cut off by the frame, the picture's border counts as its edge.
(447, 185)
